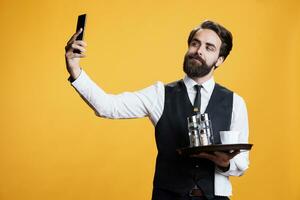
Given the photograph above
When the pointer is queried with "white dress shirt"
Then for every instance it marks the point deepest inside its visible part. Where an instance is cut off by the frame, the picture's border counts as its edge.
(150, 102)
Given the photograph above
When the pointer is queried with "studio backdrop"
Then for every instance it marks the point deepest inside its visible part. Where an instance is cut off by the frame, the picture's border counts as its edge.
(53, 146)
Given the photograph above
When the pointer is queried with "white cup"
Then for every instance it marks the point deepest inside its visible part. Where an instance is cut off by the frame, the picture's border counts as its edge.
(229, 137)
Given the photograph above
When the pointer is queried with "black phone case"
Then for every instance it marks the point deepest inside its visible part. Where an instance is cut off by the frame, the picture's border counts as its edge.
(80, 24)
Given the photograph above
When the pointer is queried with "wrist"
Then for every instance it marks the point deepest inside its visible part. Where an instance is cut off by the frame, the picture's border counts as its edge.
(224, 168)
(74, 73)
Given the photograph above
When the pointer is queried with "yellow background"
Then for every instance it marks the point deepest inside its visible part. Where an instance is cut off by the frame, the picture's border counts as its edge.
(52, 146)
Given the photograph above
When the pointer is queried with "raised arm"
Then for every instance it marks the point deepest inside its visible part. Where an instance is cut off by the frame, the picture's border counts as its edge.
(141, 103)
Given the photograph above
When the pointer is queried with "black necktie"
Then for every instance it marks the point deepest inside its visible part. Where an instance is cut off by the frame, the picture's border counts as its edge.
(197, 102)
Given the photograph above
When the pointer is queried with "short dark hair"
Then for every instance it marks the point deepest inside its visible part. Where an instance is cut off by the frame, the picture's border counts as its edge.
(223, 33)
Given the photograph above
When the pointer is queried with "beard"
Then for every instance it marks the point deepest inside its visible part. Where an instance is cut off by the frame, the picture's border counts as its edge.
(195, 67)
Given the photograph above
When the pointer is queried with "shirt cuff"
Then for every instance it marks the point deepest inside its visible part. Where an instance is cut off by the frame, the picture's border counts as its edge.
(81, 82)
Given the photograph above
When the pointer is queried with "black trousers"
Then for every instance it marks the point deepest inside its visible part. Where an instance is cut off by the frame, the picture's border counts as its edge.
(160, 194)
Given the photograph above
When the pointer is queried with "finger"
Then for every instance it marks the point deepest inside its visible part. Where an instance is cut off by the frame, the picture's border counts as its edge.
(80, 48)
(78, 55)
(73, 38)
(204, 155)
(198, 154)
(229, 155)
(71, 55)
(71, 47)
(80, 43)
(208, 156)
(221, 154)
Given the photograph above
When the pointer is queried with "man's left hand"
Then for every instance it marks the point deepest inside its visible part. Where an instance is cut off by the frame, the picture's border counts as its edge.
(221, 159)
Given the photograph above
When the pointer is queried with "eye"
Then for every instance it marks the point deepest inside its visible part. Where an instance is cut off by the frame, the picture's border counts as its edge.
(194, 44)
(210, 48)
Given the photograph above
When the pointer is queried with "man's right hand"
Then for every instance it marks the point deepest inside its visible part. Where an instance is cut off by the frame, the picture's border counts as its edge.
(72, 59)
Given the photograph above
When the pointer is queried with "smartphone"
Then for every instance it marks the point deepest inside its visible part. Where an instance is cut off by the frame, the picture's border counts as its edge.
(80, 24)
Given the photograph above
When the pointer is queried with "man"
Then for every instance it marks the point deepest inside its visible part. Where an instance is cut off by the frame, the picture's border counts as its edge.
(202, 176)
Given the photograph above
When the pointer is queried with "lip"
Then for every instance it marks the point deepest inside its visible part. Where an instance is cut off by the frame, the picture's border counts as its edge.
(197, 60)
(195, 57)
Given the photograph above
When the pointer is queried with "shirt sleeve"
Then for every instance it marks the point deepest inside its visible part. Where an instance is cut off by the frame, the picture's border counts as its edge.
(141, 103)
(239, 122)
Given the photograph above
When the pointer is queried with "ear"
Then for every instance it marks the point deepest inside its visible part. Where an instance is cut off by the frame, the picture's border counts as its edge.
(219, 61)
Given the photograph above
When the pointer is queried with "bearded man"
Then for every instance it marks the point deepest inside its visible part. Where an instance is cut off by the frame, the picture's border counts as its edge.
(203, 176)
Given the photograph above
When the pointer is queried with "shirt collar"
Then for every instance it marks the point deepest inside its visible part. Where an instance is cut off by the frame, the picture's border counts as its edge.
(208, 85)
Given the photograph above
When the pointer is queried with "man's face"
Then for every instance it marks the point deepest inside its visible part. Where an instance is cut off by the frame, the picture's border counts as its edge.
(202, 54)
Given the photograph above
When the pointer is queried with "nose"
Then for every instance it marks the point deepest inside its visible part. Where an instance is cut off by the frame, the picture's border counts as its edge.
(200, 50)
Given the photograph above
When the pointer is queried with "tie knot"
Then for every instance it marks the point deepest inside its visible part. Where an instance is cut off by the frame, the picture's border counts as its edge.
(197, 87)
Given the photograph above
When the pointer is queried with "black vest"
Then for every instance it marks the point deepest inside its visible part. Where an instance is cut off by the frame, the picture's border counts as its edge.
(177, 173)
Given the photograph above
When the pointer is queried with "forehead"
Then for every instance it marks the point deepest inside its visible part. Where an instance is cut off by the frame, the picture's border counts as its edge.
(208, 36)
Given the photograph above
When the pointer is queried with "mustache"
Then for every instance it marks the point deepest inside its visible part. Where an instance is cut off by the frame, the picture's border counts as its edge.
(196, 57)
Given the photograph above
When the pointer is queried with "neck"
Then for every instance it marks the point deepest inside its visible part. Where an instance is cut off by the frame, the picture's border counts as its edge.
(200, 80)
